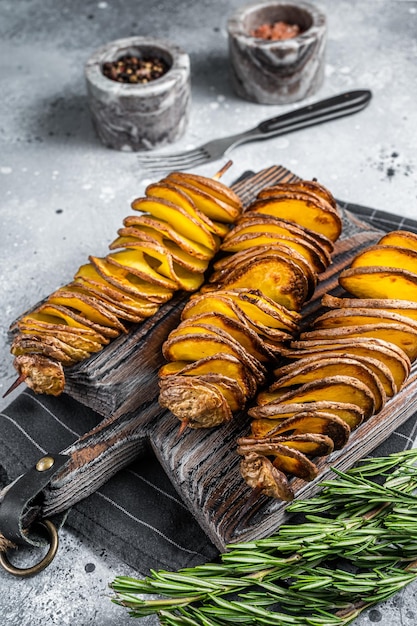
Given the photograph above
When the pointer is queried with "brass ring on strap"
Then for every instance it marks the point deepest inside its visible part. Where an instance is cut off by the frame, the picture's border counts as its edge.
(43, 563)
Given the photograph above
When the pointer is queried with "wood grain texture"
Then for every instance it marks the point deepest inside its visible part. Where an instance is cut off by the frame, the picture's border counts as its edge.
(121, 384)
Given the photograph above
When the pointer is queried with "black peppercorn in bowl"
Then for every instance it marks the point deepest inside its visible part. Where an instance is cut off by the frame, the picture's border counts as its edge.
(276, 50)
(139, 93)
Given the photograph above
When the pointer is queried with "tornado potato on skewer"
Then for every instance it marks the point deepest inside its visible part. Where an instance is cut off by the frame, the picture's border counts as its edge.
(166, 248)
(356, 357)
(242, 318)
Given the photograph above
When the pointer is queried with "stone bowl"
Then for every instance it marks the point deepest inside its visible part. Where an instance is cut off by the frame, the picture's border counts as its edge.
(277, 71)
(139, 116)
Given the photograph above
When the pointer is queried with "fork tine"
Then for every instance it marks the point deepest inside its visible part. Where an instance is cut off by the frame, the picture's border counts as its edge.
(160, 158)
(163, 165)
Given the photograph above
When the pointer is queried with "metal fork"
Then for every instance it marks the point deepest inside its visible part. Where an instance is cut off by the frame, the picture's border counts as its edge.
(316, 113)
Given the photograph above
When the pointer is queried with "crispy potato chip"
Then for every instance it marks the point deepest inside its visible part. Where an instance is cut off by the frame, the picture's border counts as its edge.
(209, 185)
(306, 211)
(400, 238)
(197, 403)
(400, 334)
(356, 316)
(29, 344)
(260, 474)
(366, 347)
(88, 275)
(187, 223)
(302, 186)
(407, 308)
(219, 363)
(278, 279)
(87, 307)
(133, 238)
(322, 244)
(150, 225)
(241, 258)
(241, 332)
(387, 256)
(308, 369)
(379, 282)
(77, 320)
(124, 279)
(317, 422)
(210, 206)
(41, 374)
(351, 414)
(344, 388)
(247, 238)
(196, 345)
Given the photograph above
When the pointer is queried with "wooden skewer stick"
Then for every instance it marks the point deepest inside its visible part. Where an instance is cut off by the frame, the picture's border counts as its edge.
(223, 170)
(16, 383)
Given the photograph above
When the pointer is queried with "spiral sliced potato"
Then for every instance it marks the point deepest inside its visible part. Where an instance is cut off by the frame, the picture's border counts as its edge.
(165, 249)
(250, 307)
(342, 371)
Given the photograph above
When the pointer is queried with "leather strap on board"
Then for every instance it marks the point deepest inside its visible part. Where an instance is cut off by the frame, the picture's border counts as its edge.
(21, 501)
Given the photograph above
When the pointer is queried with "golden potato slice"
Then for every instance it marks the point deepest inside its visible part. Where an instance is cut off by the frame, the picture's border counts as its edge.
(387, 256)
(41, 374)
(46, 347)
(322, 244)
(115, 308)
(186, 223)
(149, 225)
(357, 316)
(88, 275)
(279, 279)
(241, 332)
(308, 369)
(196, 345)
(401, 307)
(221, 302)
(310, 444)
(134, 313)
(255, 303)
(219, 363)
(133, 238)
(248, 238)
(286, 458)
(317, 422)
(229, 388)
(54, 322)
(379, 282)
(75, 340)
(175, 195)
(125, 280)
(241, 258)
(210, 206)
(209, 185)
(351, 414)
(304, 211)
(151, 264)
(368, 348)
(400, 238)
(377, 366)
(74, 319)
(198, 404)
(303, 186)
(259, 473)
(340, 388)
(87, 307)
(402, 335)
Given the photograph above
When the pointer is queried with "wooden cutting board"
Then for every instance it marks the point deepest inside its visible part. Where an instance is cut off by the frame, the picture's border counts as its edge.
(120, 383)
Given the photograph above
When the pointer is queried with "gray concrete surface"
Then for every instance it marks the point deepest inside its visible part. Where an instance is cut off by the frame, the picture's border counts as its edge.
(63, 195)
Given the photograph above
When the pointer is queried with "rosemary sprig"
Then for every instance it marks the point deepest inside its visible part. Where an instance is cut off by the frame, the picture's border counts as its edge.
(356, 547)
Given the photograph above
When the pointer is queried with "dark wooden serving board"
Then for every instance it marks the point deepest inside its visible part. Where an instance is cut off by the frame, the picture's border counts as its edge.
(120, 383)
